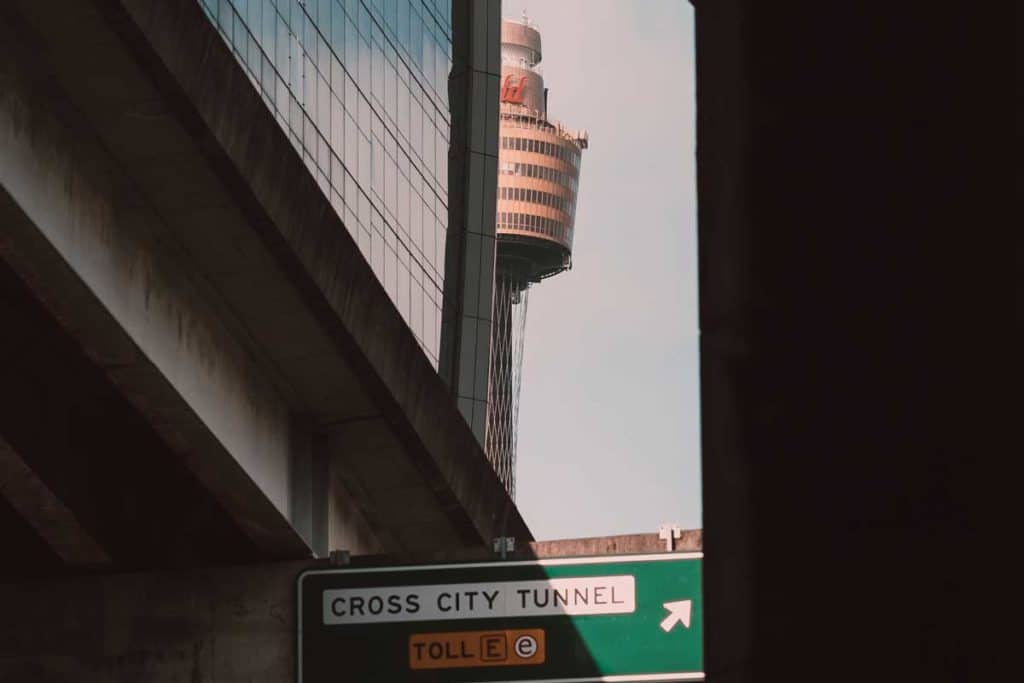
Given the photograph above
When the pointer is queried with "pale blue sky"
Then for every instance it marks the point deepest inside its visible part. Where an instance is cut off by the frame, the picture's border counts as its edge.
(609, 429)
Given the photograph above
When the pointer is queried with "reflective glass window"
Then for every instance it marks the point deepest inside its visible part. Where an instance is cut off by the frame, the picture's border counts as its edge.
(356, 82)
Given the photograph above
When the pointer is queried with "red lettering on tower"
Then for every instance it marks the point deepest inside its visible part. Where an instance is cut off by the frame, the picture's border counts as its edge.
(513, 93)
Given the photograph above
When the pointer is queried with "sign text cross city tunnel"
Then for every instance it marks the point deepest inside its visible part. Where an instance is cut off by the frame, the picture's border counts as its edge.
(631, 617)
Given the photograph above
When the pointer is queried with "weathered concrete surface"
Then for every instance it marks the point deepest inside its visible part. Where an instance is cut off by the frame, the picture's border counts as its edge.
(78, 230)
(225, 625)
(155, 208)
(99, 457)
(212, 626)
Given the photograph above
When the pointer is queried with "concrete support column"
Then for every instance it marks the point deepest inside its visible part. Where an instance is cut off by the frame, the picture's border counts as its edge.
(310, 484)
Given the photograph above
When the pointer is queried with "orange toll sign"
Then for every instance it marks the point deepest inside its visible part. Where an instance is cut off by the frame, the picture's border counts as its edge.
(476, 648)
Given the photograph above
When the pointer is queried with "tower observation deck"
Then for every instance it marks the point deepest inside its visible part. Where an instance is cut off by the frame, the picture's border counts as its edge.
(538, 181)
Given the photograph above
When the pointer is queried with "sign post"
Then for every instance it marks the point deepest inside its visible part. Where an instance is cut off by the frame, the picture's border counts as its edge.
(616, 618)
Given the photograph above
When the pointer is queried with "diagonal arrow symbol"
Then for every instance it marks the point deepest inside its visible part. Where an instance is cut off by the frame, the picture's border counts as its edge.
(678, 611)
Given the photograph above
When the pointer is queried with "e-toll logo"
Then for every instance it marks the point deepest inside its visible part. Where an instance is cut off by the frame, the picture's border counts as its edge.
(622, 618)
(515, 647)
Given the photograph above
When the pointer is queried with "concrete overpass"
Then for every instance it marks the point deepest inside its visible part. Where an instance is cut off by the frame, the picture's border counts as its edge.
(199, 366)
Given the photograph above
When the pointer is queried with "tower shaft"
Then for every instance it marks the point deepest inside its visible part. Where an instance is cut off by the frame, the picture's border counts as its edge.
(538, 180)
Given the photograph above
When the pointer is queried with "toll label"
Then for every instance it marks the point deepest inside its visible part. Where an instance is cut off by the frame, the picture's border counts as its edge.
(463, 649)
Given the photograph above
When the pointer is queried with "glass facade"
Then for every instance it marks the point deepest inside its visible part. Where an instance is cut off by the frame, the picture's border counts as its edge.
(361, 88)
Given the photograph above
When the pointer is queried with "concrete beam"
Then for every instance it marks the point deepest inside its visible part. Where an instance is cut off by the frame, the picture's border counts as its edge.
(55, 523)
(282, 203)
(98, 455)
(160, 213)
(93, 249)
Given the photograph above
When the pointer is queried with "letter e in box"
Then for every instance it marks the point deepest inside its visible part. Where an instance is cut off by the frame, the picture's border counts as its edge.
(493, 647)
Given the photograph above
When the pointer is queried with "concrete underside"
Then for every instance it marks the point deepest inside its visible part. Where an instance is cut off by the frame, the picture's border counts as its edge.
(199, 365)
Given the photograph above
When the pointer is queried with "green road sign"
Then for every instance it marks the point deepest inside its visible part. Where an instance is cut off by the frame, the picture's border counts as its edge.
(616, 618)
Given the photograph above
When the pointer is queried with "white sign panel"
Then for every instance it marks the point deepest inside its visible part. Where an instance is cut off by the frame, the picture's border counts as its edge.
(547, 597)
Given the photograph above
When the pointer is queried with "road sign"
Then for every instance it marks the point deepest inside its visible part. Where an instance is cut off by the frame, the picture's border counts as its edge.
(613, 618)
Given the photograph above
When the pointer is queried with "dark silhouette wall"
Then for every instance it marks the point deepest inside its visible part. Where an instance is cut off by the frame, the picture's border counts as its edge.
(835, 162)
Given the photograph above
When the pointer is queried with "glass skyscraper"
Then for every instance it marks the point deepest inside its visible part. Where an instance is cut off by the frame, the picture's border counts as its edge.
(361, 87)
(366, 90)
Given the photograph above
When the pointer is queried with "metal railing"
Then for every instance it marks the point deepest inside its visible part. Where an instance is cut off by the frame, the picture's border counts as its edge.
(534, 121)
(520, 63)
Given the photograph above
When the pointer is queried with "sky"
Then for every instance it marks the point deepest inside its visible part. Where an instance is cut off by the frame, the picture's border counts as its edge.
(609, 423)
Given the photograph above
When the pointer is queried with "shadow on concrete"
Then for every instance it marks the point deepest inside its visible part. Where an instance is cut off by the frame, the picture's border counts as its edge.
(98, 457)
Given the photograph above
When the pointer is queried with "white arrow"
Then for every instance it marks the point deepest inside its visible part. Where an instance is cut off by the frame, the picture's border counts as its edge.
(678, 611)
